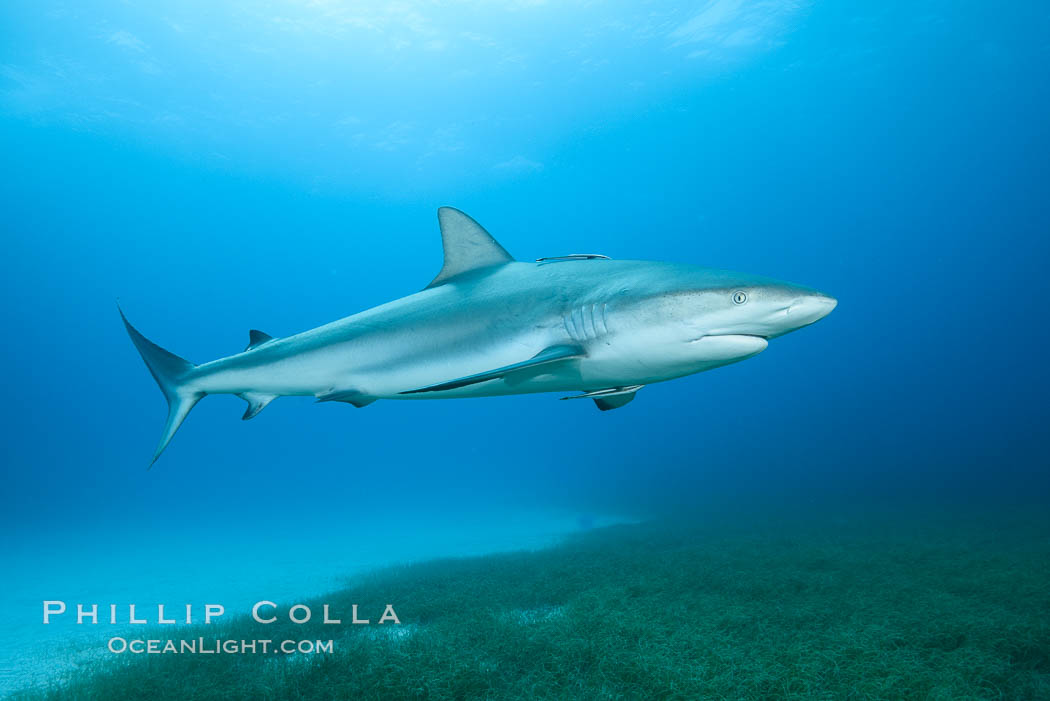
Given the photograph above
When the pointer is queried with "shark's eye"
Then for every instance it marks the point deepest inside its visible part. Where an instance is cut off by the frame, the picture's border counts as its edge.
(739, 297)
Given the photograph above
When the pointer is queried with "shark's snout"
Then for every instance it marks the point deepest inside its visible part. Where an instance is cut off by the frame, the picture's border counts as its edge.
(803, 310)
(810, 308)
(774, 312)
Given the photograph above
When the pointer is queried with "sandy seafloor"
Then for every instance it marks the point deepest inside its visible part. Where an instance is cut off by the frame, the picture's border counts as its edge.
(235, 566)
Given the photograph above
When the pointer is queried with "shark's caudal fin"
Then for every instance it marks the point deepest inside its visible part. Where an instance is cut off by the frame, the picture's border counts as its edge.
(467, 246)
(171, 372)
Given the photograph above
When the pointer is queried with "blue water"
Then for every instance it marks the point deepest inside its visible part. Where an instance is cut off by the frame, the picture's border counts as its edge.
(221, 167)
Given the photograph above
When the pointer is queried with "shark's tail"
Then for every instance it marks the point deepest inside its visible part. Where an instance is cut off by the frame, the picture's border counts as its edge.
(172, 374)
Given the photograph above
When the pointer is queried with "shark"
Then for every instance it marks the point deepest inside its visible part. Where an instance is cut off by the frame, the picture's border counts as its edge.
(490, 325)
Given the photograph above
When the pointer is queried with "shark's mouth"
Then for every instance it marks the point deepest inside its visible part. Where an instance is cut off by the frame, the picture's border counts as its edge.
(728, 335)
(729, 346)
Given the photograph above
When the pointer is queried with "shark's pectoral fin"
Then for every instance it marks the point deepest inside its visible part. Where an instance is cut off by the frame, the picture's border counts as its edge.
(256, 403)
(350, 396)
(256, 338)
(518, 371)
(612, 398)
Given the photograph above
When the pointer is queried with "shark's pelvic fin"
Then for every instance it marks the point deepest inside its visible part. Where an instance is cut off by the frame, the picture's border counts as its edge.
(612, 398)
(172, 374)
(613, 402)
(350, 396)
(256, 403)
(545, 357)
(256, 338)
(467, 246)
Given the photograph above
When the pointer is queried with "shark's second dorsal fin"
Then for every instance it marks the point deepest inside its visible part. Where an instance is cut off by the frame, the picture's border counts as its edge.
(467, 246)
(256, 338)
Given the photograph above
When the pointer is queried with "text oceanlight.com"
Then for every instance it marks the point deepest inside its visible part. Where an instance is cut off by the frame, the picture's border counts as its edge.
(216, 646)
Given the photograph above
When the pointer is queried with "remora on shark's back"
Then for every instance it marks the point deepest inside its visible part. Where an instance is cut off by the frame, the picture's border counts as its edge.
(489, 325)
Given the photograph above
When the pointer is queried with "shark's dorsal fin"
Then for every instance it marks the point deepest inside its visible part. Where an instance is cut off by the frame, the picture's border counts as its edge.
(467, 246)
(256, 338)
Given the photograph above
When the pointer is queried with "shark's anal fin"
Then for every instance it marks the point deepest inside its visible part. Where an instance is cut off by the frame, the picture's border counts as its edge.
(256, 403)
(467, 246)
(350, 396)
(545, 357)
(608, 399)
(256, 338)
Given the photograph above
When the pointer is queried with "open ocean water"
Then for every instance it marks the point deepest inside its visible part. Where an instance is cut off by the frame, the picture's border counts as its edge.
(220, 167)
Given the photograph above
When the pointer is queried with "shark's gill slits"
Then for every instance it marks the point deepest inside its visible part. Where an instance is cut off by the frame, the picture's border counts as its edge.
(590, 314)
(586, 322)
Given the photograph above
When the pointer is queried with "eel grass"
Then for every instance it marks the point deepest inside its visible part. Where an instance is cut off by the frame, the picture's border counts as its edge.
(879, 606)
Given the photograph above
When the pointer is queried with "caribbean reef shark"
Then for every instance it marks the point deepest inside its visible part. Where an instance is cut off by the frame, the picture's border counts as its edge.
(490, 325)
